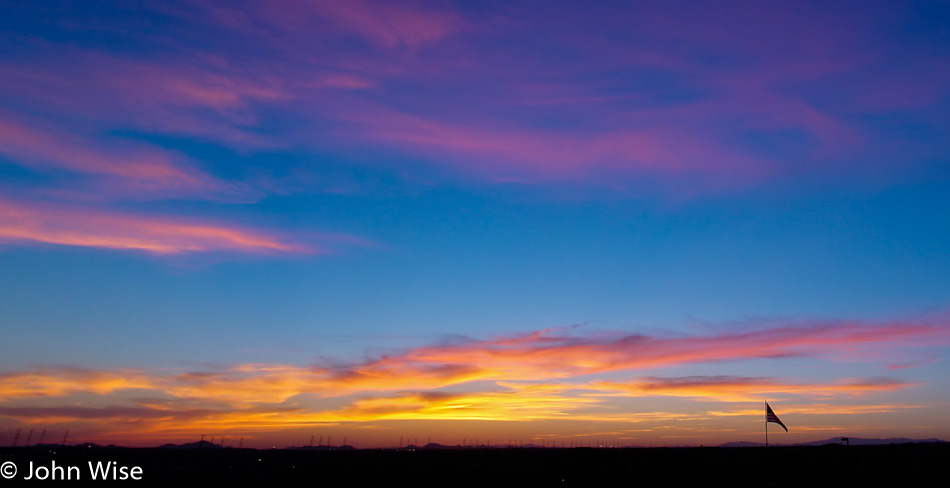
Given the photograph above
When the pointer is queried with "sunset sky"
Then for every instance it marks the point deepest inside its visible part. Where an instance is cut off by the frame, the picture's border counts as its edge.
(530, 221)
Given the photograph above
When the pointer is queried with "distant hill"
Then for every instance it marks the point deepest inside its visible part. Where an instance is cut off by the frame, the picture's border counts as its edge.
(854, 441)
(191, 445)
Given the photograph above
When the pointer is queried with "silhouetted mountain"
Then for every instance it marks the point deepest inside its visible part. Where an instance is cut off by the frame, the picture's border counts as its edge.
(191, 445)
(854, 441)
(435, 445)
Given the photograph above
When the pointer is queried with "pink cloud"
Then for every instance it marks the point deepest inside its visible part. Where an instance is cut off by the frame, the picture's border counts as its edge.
(392, 25)
(745, 389)
(141, 170)
(676, 102)
(550, 354)
(912, 364)
(195, 96)
(30, 223)
(523, 362)
(385, 24)
(513, 152)
(555, 355)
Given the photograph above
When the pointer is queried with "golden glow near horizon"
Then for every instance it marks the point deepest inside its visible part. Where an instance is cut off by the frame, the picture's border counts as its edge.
(541, 377)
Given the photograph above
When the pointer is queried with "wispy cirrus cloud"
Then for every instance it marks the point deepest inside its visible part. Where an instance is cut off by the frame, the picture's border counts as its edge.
(134, 169)
(912, 364)
(746, 389)
(687, 107)
(383, 25)
(518, 153)
(387, 25)
(34, 223)
(551, 355)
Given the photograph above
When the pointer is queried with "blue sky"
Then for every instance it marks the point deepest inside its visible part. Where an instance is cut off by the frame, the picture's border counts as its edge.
(265, 221)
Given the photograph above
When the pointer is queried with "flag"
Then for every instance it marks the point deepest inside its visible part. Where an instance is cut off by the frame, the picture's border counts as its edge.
(771, 417)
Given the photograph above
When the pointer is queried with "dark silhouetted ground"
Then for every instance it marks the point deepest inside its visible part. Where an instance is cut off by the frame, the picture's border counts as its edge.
(893, 465)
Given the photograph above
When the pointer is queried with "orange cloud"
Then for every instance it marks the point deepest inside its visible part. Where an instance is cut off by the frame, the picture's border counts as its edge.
(539, 376)
(63, 381)
(508, 405)
(530, 362)
(246, 385)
